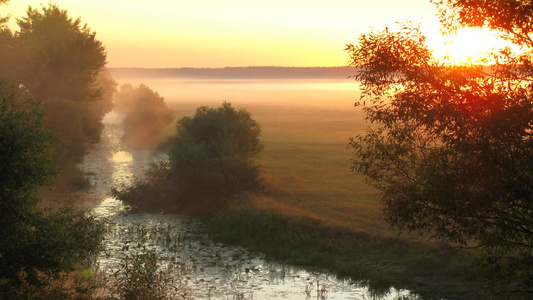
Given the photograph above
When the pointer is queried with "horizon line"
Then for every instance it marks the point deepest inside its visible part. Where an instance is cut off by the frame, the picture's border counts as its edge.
(228, 67)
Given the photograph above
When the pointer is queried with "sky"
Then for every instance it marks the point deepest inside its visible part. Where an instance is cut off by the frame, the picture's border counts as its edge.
(235, 33)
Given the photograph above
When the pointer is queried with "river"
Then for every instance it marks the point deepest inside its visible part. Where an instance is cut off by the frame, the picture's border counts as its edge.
(200, 267)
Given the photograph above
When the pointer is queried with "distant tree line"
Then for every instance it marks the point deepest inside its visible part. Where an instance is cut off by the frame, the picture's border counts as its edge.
(237, 72)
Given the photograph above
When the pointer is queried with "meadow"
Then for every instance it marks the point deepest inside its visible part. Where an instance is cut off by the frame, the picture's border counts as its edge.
(306, 127)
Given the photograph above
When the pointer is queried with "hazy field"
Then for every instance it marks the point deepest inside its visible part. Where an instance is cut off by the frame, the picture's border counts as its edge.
(306, 126)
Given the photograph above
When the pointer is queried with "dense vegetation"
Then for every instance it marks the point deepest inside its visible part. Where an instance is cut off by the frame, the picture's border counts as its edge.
(53, 94)
(37, 246)
(61, 64)
(450, 148)
(210, 160)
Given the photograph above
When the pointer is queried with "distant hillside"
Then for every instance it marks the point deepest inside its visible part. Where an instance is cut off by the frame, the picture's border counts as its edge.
(236, 73)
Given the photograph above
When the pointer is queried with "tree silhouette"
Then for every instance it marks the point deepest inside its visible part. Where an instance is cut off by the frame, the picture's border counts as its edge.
(450, 146)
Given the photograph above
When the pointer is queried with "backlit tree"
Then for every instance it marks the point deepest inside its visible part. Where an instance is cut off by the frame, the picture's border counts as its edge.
(450, 146)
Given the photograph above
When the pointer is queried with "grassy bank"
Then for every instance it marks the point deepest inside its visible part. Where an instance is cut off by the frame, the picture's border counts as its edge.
(381, 262)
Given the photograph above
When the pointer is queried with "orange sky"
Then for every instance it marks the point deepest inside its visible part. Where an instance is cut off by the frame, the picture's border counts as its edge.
(219, 33)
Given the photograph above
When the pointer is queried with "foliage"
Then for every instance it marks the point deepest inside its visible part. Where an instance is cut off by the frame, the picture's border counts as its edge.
(450, 148)
(96, 110)
(61, 58)
(139, 276)
(222, 132)
(35, 245)
(25, 161)
(61, 64)
(6, 39)
(210, 159)
(511, 19)
(147, 115)
(154, 192)
(211, 154)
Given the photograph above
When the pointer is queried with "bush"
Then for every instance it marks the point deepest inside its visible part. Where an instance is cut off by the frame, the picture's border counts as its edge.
(140, 277)
(210, 161)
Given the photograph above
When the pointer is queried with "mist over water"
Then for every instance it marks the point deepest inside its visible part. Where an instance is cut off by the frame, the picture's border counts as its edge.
(338, 94)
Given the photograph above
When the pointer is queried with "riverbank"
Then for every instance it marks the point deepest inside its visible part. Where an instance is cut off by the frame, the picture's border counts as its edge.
(316, 212)
(428, 270)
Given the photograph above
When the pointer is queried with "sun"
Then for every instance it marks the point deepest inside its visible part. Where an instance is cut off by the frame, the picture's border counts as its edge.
(467, 45)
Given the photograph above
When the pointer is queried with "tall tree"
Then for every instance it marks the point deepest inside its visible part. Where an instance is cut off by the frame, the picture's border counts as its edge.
(450, 147)
(61, 58)
(61, 64)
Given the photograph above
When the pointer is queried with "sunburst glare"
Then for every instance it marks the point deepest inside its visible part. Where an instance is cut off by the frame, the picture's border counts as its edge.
(467, 45)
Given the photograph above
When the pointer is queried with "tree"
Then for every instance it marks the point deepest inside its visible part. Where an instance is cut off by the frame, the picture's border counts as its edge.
(6, 40)
(24, 146)
(61, 64)
(61, 58)
(147, 115)
(35, 245)
(212, 153)
(210, 160)
(450, 146)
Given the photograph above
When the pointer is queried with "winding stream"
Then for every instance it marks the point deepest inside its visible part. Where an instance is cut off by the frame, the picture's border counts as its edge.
(203, 269)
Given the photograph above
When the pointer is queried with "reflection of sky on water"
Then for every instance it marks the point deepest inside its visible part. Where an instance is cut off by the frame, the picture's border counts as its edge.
(122, 157)
(205, 268)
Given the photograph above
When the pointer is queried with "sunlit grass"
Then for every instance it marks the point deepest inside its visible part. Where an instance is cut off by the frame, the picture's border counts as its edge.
(305, 159)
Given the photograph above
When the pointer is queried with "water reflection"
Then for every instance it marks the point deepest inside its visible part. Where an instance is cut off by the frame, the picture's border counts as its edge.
(122, 156)
(203, 268)
(109, 207)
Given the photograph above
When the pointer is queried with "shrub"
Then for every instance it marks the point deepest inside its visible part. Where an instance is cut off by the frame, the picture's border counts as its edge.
(210, 159)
